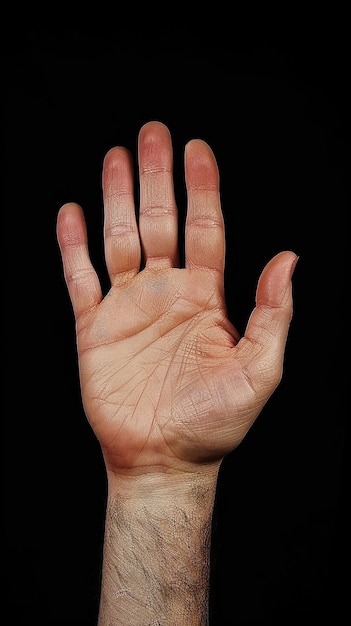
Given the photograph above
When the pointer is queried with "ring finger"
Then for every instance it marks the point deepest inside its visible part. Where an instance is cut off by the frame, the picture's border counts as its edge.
(122, 244)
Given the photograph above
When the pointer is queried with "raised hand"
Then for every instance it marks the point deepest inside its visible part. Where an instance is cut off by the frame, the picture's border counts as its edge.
(166, 380)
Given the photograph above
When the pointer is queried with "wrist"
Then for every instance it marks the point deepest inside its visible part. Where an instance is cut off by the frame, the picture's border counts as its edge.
(164, 486)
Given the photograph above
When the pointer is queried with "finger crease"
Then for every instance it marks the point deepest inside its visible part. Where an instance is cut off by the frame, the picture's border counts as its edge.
(204, 222)
(156, 211)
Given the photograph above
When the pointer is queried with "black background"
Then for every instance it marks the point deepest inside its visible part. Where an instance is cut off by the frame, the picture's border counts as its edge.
(271, 100)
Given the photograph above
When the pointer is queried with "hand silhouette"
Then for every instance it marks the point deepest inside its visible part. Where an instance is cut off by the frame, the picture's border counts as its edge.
(166, 380)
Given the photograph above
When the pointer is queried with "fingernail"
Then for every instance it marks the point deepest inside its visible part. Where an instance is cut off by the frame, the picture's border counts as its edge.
(293, 265)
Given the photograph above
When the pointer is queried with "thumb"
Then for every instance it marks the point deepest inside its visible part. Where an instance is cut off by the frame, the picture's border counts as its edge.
(267, 329)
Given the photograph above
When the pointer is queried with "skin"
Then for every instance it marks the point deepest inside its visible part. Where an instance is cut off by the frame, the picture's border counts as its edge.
(168, 385)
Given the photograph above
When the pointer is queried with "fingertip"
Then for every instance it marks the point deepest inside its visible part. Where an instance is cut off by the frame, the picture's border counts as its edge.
(286, 259)
(152, 129)
(68, 212)
(276, 277)
(200, 149)
(70, 225)
(69, 207)
(115, 155)
(155, 152)
(201, 165)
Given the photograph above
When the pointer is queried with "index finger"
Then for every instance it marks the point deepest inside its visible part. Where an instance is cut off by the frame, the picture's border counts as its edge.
(204, 228)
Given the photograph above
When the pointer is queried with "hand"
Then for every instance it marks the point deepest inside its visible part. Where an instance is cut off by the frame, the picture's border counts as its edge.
(166, 380)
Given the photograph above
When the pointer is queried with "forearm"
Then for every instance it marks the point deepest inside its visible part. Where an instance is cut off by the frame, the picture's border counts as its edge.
(157, 551)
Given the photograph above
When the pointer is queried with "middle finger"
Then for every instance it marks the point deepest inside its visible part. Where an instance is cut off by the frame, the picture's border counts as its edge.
(158, 219)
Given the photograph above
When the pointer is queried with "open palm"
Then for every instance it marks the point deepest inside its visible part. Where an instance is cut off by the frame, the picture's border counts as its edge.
(165, 378)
